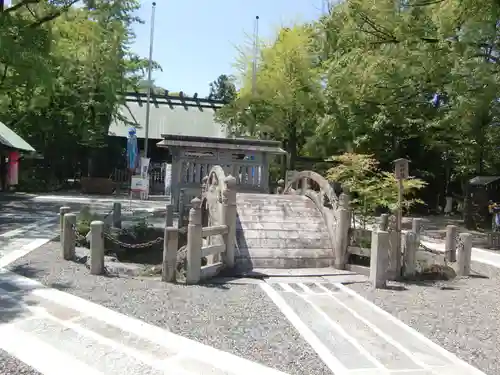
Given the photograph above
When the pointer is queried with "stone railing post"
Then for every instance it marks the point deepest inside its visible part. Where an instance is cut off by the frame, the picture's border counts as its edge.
(169, 215)
(379, 259)
(97, 247)
(229, 219)
(62, 211)
(303, 185)
(450, 245)
(410, 245)
(342, 237)
(170, 247)
(68, 236)
(281, 186)
(464, 254)
(395, 255)
(194, 243)
(384, 222)
(416, 227)
(117, 215)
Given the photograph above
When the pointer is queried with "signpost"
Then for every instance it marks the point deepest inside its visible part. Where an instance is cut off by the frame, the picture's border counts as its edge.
(401, 172)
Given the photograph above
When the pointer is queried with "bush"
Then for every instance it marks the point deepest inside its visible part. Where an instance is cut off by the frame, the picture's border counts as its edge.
(369, 187)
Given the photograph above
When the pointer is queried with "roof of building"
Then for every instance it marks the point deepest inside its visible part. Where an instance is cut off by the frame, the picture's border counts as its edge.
(178, 115)
(483, 180)
(10, 139)
(238, 144)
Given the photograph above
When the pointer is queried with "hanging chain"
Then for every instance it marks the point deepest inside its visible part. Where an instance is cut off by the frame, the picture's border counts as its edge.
(109, 213)
(132, 246)
(459, 243)
(78, 236)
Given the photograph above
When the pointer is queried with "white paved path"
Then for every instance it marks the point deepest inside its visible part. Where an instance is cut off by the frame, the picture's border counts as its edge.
(353, 336)
(478, 255)
(19, 242)
(55, 332)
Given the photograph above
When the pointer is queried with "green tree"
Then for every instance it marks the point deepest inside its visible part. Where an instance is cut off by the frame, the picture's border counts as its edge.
(370, 187)
(82, 62)
(286, 94)
(223, 89)
(382, 67)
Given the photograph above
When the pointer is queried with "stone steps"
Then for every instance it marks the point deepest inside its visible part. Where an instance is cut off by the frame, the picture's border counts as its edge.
(289, 225)
(280, 231)
(280, 234)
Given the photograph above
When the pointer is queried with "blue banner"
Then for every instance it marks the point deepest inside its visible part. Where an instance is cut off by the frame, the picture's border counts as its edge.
(132, 150)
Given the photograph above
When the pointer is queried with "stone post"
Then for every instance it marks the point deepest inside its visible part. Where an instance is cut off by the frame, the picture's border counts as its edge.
(229, 219)
(379, 259)
(170, 247)
(394, 249)
(62, 211)
(450, 245)
(410, 246)
(416, 227)
(117, 215)
(169, 215)
(384, 222)
(342, 237)
(281, 186)
(97, 248)
(68, 237)
(303, 185)
(464, 254)
(194, 243)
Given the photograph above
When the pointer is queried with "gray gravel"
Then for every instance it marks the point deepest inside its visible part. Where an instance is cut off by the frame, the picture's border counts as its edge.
(239, 319)
(10, 365)
(463, 315)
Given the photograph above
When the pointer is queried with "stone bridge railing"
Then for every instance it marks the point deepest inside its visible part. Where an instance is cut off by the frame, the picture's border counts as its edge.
(211, 228)
(333, 207)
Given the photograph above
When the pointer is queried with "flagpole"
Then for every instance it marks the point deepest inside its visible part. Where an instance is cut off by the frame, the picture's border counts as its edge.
(149, 89)
(255, 54)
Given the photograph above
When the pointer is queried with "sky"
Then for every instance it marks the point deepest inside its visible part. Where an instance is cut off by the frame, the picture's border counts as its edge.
(196, 40)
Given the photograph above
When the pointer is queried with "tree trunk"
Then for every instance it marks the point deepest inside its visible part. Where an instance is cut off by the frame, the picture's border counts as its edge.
(292, 144)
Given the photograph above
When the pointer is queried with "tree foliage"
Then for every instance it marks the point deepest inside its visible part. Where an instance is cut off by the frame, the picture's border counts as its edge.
(62, 68)
(223, 89)
(370, 187)
(418, 80)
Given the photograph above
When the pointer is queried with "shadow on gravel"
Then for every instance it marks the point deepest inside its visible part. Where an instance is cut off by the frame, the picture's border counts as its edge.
(16, 299)
(222, 284)
(478, 276)
(397, 288)
(33, 273)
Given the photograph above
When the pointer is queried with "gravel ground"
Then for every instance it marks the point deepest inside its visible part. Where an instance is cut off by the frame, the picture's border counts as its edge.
(10, 365)
(461, 315)
(239, 319)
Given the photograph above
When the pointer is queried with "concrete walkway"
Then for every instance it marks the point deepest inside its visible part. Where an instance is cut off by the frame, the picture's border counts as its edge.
(478, 255)
(55, 332)
(19, 242)
(353, 336)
